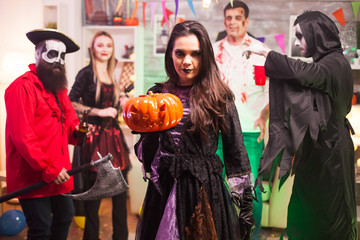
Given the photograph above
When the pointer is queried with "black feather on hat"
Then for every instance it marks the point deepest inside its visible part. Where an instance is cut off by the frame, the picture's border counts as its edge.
(38, 35)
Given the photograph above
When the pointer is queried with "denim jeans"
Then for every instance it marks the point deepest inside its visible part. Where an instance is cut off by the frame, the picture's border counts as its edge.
(48, 217)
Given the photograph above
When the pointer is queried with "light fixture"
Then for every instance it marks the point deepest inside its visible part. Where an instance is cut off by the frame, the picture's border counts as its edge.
(206, 3)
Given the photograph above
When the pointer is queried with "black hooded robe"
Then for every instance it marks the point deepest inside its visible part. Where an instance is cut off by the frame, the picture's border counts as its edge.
(309, 136)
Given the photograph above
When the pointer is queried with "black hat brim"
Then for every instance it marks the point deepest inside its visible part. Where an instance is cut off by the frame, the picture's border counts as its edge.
(38, 35)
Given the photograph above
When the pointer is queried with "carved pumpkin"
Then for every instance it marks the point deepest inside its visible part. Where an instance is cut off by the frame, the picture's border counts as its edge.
(153, 112)
(131, 21)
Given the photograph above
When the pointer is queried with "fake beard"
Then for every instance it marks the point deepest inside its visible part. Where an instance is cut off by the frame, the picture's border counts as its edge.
(52, 76)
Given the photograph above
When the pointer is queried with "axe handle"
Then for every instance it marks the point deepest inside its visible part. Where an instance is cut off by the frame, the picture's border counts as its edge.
(37, 185)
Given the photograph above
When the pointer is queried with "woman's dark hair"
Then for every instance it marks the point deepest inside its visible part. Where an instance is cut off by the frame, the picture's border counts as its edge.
(209, 94)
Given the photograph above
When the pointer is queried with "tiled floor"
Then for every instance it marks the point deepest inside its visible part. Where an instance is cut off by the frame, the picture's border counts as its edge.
(106, 227)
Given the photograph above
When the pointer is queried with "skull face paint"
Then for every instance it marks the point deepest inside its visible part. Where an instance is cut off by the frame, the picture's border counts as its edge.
(300, 41)
(54, 52)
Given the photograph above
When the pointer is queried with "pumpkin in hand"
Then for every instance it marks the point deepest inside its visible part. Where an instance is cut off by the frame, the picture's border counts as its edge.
(153, 112)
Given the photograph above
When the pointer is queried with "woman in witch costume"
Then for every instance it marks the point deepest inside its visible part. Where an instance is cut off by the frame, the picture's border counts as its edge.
(186, 196)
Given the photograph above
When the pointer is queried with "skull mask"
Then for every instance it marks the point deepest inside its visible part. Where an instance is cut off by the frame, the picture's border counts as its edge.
(53, 52)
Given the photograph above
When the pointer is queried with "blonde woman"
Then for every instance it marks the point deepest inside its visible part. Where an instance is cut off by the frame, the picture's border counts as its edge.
(96, 88)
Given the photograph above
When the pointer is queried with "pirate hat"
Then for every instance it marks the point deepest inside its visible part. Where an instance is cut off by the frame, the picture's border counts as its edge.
(38, 35)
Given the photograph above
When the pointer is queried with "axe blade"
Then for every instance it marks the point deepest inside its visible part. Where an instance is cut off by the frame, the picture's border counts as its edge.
(109, 182)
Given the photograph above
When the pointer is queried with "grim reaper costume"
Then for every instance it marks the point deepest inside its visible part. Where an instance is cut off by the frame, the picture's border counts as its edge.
(309, 133)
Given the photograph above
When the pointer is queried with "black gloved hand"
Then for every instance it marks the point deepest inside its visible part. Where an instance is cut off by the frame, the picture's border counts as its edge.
(246, 216)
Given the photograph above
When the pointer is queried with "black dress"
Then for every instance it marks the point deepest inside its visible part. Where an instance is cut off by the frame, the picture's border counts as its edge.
(186, 185)
(107, 138)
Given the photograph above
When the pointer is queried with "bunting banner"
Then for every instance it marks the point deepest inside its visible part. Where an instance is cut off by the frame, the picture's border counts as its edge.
(143, 13)
(355, 7)
(164, 13)
(280, 39)
(191, 5)
(166, 16)
(176, 8)
(261, 39)
(153, 6)
(339, 15)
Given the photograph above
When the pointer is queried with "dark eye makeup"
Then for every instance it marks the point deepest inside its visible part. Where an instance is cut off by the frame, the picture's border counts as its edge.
(52, 54)
(299, 35)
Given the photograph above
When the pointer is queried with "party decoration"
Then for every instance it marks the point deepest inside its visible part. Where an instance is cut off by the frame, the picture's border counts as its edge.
(118, 6)
(355, 7)
(280, 39)
(144, 6)
(153, 10)
(191, 5)
(339, 15)
(261, 39)
(165, 13)
(133, 21)
(12, 222)
(176, 7)
(166, 16)
(153, 112)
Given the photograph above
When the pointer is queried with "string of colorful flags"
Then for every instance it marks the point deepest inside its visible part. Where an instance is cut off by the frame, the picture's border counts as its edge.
(280, 38)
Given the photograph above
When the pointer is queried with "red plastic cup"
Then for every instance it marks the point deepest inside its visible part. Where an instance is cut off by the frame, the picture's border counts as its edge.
(259, 73)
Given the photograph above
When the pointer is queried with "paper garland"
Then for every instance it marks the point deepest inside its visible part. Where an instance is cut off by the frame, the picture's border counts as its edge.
(176, 7)
(280, 39)
(339, 15)
(165, 16)
(144, 6)
(261, 39)
(153, 6)
(355, 6)
(191, 5)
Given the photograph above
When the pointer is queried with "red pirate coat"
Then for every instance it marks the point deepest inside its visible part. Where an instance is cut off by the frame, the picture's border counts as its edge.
(37, 136)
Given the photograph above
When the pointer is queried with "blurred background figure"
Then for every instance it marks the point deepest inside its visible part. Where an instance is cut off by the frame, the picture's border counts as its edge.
(96, 90)
(251, 100)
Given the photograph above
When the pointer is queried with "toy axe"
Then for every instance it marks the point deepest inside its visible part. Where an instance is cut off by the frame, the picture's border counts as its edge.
(109, 182)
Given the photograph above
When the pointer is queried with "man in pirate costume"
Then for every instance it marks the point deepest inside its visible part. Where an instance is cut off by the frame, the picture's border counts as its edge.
(309, 135)
(40, 124)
